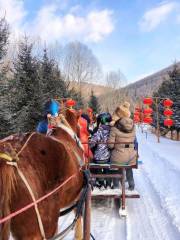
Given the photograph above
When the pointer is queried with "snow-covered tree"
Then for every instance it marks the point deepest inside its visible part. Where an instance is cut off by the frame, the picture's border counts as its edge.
(170, 88)
(52, 83)
(4, 35)
(26, 89)
(4, 91)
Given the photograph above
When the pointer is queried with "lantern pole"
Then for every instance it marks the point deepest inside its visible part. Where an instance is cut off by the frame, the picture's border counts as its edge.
(157, 120)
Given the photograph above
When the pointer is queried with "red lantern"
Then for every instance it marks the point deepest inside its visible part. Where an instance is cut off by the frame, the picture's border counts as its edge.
(148, 111)
(148, 101)
(89, 110)
(136, 113)
(136, 119)
(137, 109)
(70, 103)
(168, 112)
(148, 120)
(167, 103)
(168, 122)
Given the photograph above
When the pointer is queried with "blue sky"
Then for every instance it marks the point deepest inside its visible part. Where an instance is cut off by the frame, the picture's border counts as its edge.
(139, 37)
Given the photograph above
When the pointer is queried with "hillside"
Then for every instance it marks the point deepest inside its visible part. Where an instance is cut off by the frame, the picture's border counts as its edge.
(148, 85)
(86, 89)
(109, 98)
(134, 91)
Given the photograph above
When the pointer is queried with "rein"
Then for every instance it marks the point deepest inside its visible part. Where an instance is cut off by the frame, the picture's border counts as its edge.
(78, 206)
(23, 178)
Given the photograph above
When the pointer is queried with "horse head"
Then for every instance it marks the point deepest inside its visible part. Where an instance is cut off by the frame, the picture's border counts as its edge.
(68, 118)
(72, 117)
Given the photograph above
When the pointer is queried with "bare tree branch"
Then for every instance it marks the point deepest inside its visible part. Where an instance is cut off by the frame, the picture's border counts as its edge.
(80, 64)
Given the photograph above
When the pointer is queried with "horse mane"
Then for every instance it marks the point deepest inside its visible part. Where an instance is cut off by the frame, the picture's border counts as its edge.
(12, 142)
(8, 180)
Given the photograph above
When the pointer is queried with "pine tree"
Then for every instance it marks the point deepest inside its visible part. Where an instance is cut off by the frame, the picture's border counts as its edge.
(34, 82)
(46, 73)
(60, 87)
(5, 113)
(171, 89)
(93, 103)
(26, 90)
(4, 90)
(4, 35)
(52, 83)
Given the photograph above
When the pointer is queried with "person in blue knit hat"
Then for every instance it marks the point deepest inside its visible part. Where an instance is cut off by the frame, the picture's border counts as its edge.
(51, 107)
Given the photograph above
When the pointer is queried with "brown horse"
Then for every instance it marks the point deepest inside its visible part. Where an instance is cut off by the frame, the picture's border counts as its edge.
(45, 162)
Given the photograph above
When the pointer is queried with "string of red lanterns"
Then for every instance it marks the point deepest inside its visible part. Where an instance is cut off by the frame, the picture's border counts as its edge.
(148, 111)
(137, 113)
(168, 122)
(148, 101)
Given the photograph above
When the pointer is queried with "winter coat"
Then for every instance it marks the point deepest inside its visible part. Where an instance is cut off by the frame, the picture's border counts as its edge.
(84, 137)
(123, 131)
(42, 126)
(102, 152)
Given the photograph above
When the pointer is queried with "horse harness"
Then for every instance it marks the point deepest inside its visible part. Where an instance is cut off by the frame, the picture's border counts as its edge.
(63, 124)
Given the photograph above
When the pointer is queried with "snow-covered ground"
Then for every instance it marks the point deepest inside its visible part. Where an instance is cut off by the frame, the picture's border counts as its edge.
(156, 215)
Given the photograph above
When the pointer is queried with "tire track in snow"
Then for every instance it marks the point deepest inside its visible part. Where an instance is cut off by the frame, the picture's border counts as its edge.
(147, 219)
(106, 223)
(164, 179)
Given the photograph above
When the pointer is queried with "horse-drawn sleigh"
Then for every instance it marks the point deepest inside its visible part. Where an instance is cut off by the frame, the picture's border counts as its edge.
(41, 175)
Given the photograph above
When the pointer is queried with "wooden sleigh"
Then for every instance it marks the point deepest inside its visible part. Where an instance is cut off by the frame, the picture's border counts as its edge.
(121, 194)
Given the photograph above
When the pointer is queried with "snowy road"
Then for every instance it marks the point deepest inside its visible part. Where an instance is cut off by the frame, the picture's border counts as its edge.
(156, 215)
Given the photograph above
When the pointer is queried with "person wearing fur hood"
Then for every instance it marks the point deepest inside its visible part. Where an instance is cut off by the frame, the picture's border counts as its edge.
(123, 131)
